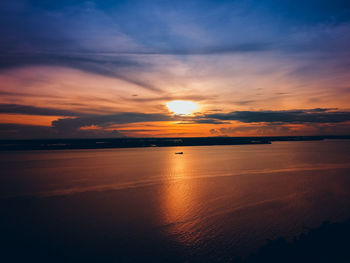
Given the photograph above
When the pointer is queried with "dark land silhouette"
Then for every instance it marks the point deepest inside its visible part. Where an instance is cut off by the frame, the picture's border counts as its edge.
(328, 243)
(57, 144)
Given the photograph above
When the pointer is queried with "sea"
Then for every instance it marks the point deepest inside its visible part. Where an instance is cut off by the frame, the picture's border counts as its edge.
(209, 204)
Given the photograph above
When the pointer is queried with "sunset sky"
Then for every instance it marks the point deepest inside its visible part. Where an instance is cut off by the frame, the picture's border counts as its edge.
(84, 69)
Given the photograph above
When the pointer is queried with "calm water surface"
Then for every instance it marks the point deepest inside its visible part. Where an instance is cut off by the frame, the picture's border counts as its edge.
(210, 204)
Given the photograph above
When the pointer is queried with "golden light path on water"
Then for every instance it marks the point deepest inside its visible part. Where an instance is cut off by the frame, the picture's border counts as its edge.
(179, 204)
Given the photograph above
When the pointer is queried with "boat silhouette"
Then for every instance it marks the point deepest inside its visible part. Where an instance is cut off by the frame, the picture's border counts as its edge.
(179, 153)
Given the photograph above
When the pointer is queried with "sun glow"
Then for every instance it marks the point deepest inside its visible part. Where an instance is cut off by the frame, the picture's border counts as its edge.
(182, 107)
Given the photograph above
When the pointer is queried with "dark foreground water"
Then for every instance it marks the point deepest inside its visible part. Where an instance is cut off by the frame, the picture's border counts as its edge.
(211, 204)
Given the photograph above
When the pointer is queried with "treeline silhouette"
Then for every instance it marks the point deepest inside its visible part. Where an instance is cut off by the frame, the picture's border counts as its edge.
(56, 144)
(329, 243)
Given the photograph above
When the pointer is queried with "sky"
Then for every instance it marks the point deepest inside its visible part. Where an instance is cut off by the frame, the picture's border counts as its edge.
(87, 69)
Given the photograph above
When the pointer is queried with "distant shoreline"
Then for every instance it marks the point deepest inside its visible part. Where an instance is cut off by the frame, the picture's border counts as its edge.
(65, 144)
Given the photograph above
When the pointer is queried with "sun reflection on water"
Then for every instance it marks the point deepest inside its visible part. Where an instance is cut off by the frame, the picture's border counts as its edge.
(180, 207)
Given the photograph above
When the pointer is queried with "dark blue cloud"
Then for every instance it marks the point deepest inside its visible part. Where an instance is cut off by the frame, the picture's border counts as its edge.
(287, 116)
(16, 131)
(323, 121)
(32, 110)
(108, 120)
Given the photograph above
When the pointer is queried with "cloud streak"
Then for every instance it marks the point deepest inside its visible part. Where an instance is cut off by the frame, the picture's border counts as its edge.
(16, 131)
(318, 116)
(108, 120)
(110, 66)
(319, 120)
(287, 116)
(32, 110)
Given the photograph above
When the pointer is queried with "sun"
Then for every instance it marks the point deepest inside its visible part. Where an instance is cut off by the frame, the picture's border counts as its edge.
(182, 107)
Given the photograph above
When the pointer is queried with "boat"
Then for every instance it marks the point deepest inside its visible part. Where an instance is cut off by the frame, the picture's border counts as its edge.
(179, 153)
